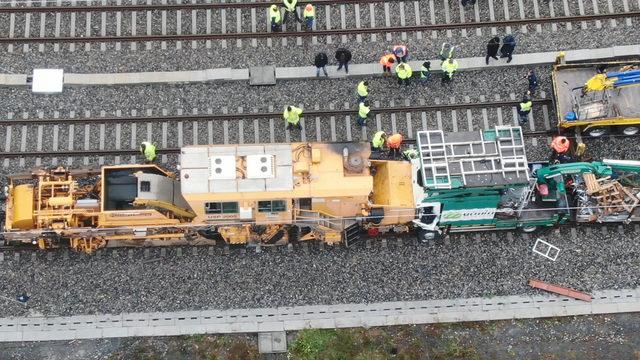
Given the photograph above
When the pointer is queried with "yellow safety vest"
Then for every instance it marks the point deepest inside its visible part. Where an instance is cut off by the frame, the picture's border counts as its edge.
(363, 111)
(449, 67)
(293, 116)
(526, 106)
(149, 151)
(311, 13)
(404, 74)
(378, 141)
(274, 14)
(290, 5)
(362, 89)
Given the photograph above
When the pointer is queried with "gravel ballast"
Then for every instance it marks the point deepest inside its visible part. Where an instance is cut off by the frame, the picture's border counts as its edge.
(466, 266)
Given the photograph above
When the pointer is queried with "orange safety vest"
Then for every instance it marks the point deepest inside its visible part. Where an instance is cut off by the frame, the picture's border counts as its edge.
(560, 144)
(384, 60)
(394, 141)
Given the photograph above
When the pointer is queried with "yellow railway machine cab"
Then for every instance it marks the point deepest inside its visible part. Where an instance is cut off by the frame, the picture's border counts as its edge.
(276, 193)
(125, 205)
(598, 98)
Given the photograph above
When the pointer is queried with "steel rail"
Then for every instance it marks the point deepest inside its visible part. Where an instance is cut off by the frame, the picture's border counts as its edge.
(269, 115)
(122, 152)
(159, 7)
(259, 35)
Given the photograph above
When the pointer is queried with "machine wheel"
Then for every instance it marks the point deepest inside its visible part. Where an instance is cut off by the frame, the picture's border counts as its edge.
(294, 233)
(630, 130)
(597, 132)
(529, 229)
(424, 236)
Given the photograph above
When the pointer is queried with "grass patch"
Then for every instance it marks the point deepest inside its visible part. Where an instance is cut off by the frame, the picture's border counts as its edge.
(353, 344)
(454, 350)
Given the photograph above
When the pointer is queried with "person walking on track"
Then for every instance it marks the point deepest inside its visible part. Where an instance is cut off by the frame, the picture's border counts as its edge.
(403, 72)
(449, 67)
(533, 81)
(363, 91)
(321, 62)
(343, 56)
(401, 53)
(394, 142)
(291, 9)
(508, 46)
(148, 150)
(387, 61)
(425, 72)
(276, 19)
(524, 108)
(378, 140)
(291, 116)
(492, 49)
(309, 16)
(364, 111)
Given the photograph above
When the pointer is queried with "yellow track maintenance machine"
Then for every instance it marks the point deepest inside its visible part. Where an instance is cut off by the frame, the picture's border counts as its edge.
(240, 194)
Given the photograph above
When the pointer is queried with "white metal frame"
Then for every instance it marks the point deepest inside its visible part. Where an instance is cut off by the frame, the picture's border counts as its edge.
(434, 156)
(549, 248)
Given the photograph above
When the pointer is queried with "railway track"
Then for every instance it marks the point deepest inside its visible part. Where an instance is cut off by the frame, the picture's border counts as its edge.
(108, 136)
(205, 25)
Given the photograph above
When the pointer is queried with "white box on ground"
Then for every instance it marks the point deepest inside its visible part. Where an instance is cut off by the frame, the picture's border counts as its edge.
(47, 81)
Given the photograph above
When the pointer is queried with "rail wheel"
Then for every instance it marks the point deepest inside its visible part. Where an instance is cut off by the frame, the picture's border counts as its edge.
(630, 130)
(529, 229)
(597, 132)
(424, 236)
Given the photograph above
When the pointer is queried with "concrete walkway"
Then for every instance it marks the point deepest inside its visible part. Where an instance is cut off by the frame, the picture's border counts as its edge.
(307, 72)
(318, 316)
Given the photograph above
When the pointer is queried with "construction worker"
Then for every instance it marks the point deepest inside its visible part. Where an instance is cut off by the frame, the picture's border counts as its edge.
(403, 72)
(343, 56)
(148, 150)
(449, 66)
(508, 46)
(393, 143)
(410, 154)
(291, 116)
(524, 108)
(309, 15)
(425, 71)
(533, 80)
(363, 113)
(363, 91)
(447, 51)
(321, 62)
(291, 8)
(401, 53)
(387, 61)
(560, 146)
(276, 19)
(492, 49)
(378, 140)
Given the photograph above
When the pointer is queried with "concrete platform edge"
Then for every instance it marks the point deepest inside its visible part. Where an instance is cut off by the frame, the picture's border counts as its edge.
(309, 72)
(320, 316)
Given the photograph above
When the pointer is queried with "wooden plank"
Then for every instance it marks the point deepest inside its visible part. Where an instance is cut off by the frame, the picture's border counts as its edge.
(560, 290)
